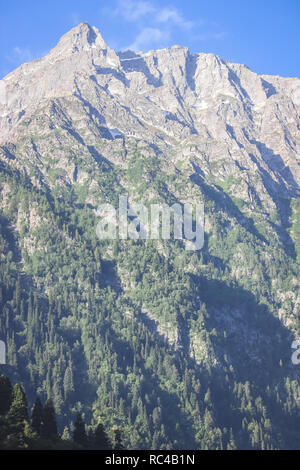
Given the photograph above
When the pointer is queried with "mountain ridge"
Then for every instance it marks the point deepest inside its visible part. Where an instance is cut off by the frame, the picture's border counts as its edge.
(189, 89)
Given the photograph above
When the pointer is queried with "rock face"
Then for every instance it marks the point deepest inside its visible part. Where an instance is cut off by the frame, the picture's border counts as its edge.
(202, 117)
(188, 106)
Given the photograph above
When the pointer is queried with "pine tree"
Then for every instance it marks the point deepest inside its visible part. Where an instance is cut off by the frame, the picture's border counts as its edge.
(79, 434)
(37, 416)
(68, 381)
(90, 438)
(118, 445)
(101, 440)
(49, 426)
(5, 394)
(18, 413)
(231, 444)
(66, 434)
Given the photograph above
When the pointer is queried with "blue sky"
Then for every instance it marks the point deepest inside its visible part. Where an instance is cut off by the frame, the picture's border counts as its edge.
(263, 34)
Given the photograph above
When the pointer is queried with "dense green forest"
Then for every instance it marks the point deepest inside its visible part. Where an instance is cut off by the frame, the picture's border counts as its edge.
(19, 430)
(177, 349)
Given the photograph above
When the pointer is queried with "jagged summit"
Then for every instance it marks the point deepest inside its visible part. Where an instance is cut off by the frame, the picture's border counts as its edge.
(191, 103)
(81, 37)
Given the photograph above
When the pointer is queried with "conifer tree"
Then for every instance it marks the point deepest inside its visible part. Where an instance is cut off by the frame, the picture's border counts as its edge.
(90, 438)
(5, 394)
(66, 434)
(18, 413)
(79, 433)
(49, 426)
(37, 416)
(118, 445)
(68, 381)
(101, 439)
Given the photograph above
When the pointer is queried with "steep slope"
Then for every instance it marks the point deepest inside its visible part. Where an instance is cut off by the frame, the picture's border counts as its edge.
(176, 346)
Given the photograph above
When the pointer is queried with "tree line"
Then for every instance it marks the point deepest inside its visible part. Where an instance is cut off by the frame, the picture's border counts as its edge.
(20, 429)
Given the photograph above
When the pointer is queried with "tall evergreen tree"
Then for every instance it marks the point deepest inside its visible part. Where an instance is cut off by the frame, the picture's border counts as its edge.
(68, 381)
(66, 434)
(18, 413)
(37, 416)
(5, 394)
(101, 439)
(118, 444)
(79, 433)
(49, 427)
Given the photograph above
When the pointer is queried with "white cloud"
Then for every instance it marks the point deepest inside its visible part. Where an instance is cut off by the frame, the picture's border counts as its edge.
(172, 15)
(156, 25)
(149, 37)
(133, 10)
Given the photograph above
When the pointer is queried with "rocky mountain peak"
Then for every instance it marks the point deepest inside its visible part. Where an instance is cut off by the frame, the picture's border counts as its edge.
(194, 105)
(81, 38)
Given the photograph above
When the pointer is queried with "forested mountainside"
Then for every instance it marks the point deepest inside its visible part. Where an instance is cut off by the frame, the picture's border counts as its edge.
(21, 430)
(178, 349)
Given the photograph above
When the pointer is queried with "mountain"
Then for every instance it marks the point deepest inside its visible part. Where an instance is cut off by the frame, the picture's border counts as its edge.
(178, 348)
